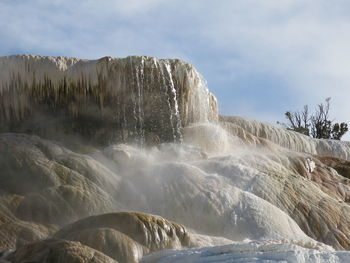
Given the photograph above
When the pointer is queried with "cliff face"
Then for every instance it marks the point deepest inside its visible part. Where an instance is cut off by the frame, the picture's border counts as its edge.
(105, 100)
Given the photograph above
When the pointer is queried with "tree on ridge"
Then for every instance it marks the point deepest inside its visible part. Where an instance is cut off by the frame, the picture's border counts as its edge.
(317, 125)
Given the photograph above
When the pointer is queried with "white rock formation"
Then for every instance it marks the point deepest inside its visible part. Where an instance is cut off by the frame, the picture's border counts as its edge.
(288, 139)
(133, 97)
(264, 252)
(229, 181)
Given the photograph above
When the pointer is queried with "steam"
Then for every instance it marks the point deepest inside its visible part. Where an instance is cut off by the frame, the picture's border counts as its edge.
(211, 173)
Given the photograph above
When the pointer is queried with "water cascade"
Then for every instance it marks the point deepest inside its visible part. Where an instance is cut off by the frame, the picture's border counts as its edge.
(139, 99)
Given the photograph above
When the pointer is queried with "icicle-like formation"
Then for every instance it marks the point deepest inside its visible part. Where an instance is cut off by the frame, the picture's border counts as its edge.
(173, 105)
(201, 105)
(135, 98)
(140, 83)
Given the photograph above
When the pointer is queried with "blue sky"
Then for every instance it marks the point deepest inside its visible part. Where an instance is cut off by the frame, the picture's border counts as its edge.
(260, 57)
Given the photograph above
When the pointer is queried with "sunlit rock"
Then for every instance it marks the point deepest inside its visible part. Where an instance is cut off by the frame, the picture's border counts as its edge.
(289, 139)
(315, 200)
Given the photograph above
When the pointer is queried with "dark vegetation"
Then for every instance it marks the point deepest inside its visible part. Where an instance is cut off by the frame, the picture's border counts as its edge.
(317, 124)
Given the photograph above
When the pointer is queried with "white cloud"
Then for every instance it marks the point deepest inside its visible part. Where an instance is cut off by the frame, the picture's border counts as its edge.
(304, 42)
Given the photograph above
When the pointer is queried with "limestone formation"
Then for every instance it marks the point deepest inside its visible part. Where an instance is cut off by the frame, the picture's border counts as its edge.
(110, 242)
(104, 100)
(97, 156)
(41, 179)
(152, 232)
(340, 165)
(126, 237)
(268, 251)
(289, 139)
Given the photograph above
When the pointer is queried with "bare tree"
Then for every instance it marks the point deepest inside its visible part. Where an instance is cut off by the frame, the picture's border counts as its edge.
(298, 121)
(321, 126)
(318, 125)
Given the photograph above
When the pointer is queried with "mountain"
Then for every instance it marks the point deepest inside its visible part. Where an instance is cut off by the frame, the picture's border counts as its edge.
(128, 160)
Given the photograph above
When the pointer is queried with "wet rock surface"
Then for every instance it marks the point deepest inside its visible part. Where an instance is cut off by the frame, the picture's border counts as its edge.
(141, 99)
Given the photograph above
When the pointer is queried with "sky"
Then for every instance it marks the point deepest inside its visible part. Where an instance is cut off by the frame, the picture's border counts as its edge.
(259, 57)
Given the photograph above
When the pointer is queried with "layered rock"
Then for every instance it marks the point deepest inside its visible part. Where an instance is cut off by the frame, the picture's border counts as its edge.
(41, 191)
(104, 100)
(288, 139)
